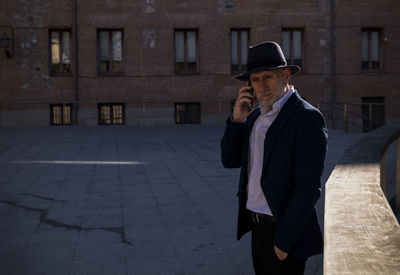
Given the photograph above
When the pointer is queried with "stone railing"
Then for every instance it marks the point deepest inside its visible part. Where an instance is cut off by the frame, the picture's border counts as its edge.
(362, 234)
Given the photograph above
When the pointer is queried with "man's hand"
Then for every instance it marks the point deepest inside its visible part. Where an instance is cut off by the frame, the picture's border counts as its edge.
(240, 110)
(280, 254)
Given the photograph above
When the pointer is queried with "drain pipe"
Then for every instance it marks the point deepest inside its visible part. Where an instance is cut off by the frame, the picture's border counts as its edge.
(333, 61)
(75, 42)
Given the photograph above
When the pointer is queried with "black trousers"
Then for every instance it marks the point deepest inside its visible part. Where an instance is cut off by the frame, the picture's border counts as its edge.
(265, 260)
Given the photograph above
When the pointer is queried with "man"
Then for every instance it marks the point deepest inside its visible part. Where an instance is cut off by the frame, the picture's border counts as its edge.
(280, 146)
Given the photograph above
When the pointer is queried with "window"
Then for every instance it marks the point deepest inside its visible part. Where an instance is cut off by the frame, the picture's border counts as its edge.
(292, 46)
(185, 51)
(109, 51)
(370, 49)
(60, 114)
(373, 112)
(111, 114)
(187, 113)
(60, 52)
(239, 48)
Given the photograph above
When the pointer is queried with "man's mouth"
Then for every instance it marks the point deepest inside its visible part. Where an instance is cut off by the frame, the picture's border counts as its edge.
(266, 95)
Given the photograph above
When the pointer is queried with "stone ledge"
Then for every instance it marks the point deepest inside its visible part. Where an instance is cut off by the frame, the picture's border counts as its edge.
(362, 235)
(371, 147)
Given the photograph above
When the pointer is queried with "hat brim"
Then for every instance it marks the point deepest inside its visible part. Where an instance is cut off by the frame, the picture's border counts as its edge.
(294, 69)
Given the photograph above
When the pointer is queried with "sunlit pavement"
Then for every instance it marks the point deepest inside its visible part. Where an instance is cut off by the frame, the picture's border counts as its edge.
(124, 200)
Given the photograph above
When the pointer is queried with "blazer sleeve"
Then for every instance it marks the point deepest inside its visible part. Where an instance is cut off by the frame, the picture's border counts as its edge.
(232, 143)
(309, 157)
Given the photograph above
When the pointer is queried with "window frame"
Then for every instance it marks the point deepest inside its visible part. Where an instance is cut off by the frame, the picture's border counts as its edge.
(62, 105)
(185, 71)
(239, 70)
(110, 58)
(291, 60)
(111, 105)
(62, 72)
(380, 44)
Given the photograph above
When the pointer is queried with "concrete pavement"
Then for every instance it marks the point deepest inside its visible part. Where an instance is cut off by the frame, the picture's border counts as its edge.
(124, 200)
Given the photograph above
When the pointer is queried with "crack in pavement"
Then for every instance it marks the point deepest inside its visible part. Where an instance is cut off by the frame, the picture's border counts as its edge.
(42, 197)
(43, 219)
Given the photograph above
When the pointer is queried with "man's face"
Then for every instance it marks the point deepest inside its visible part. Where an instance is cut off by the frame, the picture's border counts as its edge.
(269, 86)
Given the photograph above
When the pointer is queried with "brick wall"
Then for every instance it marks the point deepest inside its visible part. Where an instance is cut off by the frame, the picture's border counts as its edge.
(148, 54)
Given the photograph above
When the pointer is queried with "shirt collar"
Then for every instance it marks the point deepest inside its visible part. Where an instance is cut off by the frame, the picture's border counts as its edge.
(277, 106)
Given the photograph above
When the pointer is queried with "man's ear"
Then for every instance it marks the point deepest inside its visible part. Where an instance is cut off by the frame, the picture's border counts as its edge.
(287, 74)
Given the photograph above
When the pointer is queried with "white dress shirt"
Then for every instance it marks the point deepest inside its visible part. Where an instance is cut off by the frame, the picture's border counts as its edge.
(256, 201)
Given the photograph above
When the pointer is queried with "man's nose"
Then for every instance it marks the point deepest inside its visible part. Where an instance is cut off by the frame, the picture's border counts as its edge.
(263, 85)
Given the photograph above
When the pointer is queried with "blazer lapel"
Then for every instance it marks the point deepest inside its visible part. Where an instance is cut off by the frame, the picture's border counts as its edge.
(276, 127)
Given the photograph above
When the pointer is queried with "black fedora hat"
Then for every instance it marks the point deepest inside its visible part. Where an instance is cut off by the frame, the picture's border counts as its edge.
(266, 56)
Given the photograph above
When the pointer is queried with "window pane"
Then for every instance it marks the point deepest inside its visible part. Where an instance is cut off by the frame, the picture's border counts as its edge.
(180, 112)
(243, 40)
(374, 46)
(117, 50)
(66, 57)
(117, 114)
(234, 47)
(179, 47)
(180, 66)
(297, 44)
(375, 65)
(191, 67)
(57, 115)
(191, 44)
(67, 114)
(364, 46)
(104, 66)
(105, 115)
(55, 51)
(104, 45)
(193, 113)
(286, 44)
(187, 113)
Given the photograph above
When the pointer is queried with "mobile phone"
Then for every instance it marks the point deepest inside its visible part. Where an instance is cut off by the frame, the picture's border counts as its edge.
(250, 104)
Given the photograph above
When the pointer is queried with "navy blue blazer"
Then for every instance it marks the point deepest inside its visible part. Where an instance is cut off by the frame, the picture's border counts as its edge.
(294, 155)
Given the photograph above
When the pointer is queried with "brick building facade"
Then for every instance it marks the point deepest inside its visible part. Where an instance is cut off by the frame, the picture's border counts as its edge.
(171, 61)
